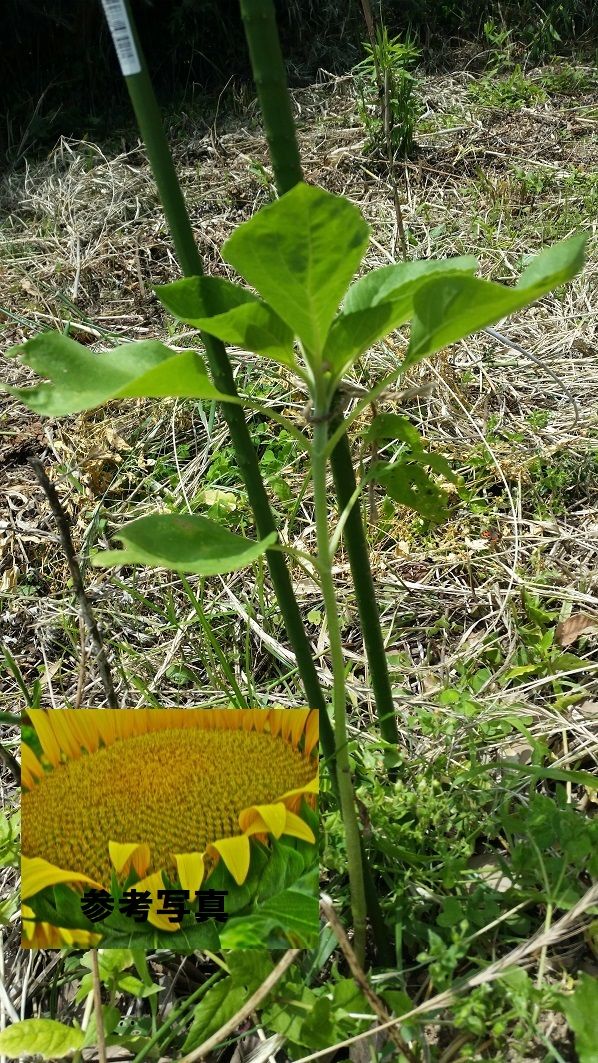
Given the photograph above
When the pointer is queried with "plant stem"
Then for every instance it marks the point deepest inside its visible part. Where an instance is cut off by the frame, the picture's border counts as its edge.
(97, 1001)
(363, 582)
(150, 125)
(339, 698)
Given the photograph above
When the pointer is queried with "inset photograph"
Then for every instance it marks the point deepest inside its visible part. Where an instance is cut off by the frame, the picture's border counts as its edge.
(170, 828)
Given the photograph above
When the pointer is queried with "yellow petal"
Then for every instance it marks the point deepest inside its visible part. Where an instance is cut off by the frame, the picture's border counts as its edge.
(287, 724)
(31, 769)
(276, 718)
(311, 787)
(300, 718)
(191, 871)
(37, 935)
(45, 936)
(312, 731)
(78, 938)
(235, 853)
(298, 828)
(153, 883)
(127, 855)
(49, 743)
(61, 721)
(37, 873)
(84, 724)
(258, 828)
(271, 818)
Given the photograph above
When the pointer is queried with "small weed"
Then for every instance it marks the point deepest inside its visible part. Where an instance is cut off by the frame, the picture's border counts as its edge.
(557, 483)
(528, 185)
(385, 74)
(501, 48)
(568, 80)
(538, 419)
(509, 93)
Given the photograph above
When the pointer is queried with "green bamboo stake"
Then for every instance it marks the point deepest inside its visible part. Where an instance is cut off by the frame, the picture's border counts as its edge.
(147, 113)
(271, 82)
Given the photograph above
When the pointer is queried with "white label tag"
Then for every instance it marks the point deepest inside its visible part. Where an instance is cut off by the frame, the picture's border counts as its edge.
(120, 28)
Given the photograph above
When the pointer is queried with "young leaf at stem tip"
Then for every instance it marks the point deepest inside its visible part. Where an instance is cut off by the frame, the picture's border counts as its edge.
(300, 253)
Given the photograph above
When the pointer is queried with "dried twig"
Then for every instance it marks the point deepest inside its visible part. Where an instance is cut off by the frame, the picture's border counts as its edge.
(84, 603)
(359, 976)
(507, 342)
(97, 1002)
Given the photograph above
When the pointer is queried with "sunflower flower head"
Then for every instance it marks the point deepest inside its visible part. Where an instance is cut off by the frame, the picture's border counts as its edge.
(165, 793)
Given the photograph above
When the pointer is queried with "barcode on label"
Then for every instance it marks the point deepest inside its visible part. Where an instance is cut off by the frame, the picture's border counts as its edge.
(120, 28)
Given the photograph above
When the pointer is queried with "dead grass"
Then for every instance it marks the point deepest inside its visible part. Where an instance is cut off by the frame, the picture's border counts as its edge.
(82, 244)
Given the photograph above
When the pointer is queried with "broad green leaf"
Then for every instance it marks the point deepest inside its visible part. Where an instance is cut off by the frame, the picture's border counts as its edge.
(352, 334)
(187, 939)
(398, 283)
(438, 463)
(111, 963)
(394, 426)
(231, 313)
(555, 265)
(249, 968)
(127, 983)
(184, 544)
(60, 906)
(379, 303)
(294, 910)
(82, 380)
(304, 1018)
(449, 308)
(219, 1005)
(410, 485)
(581, 1009)
(40, 1037)
(284, 867)
(300, 253)
(246, 932)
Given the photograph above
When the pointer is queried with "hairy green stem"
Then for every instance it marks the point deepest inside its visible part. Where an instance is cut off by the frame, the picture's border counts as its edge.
(150, 125)
(339, 694)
